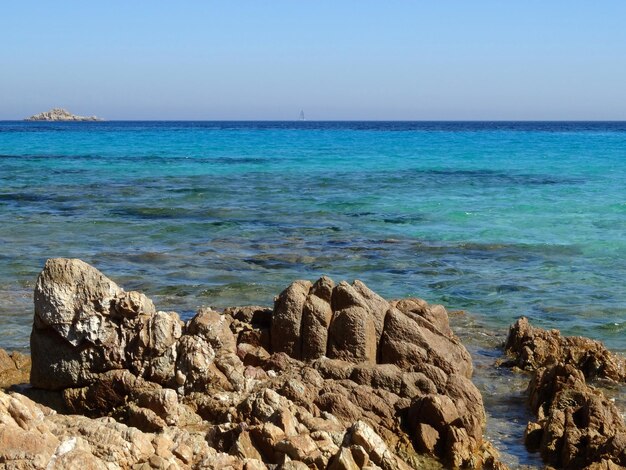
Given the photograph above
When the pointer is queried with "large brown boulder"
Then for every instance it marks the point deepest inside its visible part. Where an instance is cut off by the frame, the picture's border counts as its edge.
(352, 336)
(317, 315)
(435, 314)
(352, 323)
(287, 319)
(413, 342)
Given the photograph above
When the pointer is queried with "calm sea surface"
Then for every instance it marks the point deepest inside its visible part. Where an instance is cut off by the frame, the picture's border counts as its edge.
(498, 219)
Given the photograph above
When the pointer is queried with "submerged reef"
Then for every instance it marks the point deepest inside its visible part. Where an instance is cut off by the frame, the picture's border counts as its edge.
(332, 377)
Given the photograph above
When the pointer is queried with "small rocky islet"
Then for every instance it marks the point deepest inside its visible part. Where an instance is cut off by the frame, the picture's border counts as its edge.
(333, 377)
(60, 114)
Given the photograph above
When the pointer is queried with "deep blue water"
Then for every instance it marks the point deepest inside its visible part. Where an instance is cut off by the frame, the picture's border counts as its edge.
(500, 219)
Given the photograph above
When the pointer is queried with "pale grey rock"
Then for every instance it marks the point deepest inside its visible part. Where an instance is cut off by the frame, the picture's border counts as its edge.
(72, 297)
(85, 324)
(195, 359)
(60, 114)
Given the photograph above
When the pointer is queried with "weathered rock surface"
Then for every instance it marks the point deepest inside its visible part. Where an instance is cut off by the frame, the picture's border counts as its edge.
(60, 114)
(33, 436)
(577, 426)
(532, 348)
(333, 377)
(14, 368)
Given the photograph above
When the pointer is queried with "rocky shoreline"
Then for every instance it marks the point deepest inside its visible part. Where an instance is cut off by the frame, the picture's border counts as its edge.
(334, 376)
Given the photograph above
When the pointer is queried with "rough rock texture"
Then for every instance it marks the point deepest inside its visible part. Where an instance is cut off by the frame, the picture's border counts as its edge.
(60, 114)
(333, 377)
(33, 436)
(532, 348)
(14, 368)
(85, 324)
(577, 426)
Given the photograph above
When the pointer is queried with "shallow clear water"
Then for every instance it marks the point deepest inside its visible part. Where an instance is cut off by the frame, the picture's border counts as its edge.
(498, 219)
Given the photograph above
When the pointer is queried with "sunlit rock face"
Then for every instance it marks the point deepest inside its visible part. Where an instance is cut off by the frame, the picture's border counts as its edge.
(333, 375)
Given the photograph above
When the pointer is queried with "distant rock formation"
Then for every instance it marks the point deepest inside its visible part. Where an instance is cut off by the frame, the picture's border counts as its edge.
(60, 114)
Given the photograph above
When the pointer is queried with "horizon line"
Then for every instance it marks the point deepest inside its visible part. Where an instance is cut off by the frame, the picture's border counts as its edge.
(319, 120)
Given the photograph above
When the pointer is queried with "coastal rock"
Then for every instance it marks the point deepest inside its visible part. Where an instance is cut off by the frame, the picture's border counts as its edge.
(33, 436)
(352, 323)
(435, 314)
(14, 368)
(85, 324)
(24, 439)
(412, 342)
(71, 297)
(352, 336)
(316, 318)
(287, 319)
(576, 426)
(334, 376)
(60, 114)
(532, 348)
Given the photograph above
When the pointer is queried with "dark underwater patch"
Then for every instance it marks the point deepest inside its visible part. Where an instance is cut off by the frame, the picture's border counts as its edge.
(26, 197)
(503, 251)
(404, 219)
(492, 177)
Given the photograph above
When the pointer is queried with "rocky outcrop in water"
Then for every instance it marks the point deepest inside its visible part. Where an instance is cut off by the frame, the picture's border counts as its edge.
(533, 348)
(333, 377)
(577, 426)
(60, 114)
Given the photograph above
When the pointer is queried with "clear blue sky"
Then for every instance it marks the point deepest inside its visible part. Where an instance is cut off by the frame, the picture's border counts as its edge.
(361, 59)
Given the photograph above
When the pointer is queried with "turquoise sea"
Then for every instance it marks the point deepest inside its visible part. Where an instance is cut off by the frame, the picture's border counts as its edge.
(499, 219)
